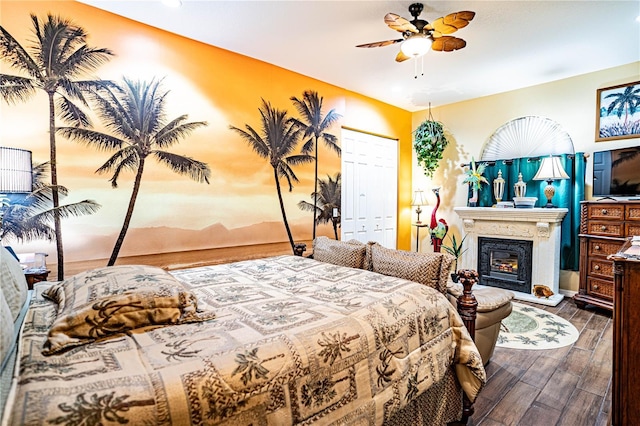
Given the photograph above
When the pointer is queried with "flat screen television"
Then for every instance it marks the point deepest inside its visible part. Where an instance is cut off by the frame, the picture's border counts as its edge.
(616, 172)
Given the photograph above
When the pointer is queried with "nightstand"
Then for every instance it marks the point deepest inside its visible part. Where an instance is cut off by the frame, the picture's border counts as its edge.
(35, 277)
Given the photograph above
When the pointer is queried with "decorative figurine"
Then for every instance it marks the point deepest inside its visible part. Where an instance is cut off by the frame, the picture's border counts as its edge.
(437, 228)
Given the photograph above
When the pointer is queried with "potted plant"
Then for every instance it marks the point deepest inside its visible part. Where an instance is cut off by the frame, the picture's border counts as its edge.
(456, 250)
(475, 180)
(429, 143)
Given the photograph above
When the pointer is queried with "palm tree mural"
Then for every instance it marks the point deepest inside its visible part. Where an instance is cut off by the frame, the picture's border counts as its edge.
(278, 139)
(57, 56)
(28, 218)
(625, 102)
(134, 113)
(315, 130)
(327, 199)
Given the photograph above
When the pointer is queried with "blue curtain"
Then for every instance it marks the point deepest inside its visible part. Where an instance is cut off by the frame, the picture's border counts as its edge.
(569, 193)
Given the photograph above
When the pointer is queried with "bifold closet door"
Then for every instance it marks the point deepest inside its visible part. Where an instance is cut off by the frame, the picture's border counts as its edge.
(369, 188)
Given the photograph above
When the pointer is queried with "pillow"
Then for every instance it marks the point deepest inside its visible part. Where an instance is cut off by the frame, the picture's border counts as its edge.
(431, 269)
(105, 301)
(350, 253)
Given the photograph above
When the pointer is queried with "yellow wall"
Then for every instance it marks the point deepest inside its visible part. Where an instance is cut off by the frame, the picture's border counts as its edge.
(209, 84)
(570, 102)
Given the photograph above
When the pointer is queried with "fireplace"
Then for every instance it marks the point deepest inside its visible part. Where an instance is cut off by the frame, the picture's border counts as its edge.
(505, 263)
(514, 233)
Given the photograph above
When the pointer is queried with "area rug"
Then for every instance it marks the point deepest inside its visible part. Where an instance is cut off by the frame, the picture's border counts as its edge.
(532, 328)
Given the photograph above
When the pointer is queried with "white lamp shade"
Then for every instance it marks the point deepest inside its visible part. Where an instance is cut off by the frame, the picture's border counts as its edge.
(416, 45)
(551, 169)
(419, 198)
(15, 170)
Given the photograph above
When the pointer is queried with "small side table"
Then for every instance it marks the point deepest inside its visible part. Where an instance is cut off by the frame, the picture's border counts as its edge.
(418, 226)
(35, 277)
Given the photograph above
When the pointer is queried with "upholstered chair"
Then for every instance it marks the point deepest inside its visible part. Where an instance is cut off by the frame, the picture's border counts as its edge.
(494, 305)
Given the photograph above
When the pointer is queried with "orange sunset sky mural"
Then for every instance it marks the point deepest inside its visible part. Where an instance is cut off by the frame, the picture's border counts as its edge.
(174, 213)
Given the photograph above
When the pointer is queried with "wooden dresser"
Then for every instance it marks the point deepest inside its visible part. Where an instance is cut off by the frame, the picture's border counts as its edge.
(625, 398)
(603, 228)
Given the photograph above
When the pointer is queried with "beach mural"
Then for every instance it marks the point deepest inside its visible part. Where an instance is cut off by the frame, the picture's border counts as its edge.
(162, 144)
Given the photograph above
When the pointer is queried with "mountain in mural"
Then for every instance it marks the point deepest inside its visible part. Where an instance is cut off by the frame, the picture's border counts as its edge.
(163, 239)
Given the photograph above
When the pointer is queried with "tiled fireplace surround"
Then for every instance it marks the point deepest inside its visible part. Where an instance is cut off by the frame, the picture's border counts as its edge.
(539, 225)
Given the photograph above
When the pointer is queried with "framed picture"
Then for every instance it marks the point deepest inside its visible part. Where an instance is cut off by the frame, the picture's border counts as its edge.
(618, 112)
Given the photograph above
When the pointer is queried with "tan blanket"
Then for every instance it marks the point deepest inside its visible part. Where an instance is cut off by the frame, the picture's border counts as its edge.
(294, 341)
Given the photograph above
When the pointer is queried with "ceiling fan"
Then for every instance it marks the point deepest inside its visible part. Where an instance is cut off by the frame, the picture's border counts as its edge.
(420, 36)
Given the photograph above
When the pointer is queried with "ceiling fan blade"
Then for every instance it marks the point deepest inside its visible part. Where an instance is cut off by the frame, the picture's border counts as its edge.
(381, 43)
(452, 22)
(401, 57)
(447, 44)
(398, 23)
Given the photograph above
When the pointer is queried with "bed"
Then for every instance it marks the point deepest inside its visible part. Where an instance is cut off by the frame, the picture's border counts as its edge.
(282, 340)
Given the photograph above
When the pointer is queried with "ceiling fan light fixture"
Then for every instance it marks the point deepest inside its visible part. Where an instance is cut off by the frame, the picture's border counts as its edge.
(416, 45)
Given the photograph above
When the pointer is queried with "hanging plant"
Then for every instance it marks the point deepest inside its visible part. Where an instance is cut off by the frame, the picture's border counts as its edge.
(429, 143)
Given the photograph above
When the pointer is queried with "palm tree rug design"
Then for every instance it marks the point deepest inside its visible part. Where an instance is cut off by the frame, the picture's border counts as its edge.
(532, 328)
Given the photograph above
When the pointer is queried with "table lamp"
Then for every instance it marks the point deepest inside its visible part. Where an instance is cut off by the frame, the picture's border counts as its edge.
(551, 169)
(419, 200)
(15, 171)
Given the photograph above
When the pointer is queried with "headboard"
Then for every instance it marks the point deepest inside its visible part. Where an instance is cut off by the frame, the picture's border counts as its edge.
(14, 300)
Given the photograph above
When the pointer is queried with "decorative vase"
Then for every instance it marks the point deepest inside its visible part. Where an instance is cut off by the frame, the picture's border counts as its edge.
(473, 201)
(520, 187)
(498, 187)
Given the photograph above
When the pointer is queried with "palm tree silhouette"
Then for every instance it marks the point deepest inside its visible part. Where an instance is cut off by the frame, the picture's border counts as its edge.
(626, 155)
(56, 58)
(315, 129)
(327, 199)
(28, 218)
(279, 137)
(134, 112)
(625, 102)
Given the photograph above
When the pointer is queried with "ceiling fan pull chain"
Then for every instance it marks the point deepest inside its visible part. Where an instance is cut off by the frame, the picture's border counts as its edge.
(422, 64)
(415, 67)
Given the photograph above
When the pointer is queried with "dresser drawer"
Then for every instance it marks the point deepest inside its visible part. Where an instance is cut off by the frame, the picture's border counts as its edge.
(605, 211)
(600, 267)
(600, 287)
(608, 229)
(598, 247)
(632, 229)
(633, 213)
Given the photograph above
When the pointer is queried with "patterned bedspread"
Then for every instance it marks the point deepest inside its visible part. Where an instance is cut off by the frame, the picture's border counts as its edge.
(294, 341)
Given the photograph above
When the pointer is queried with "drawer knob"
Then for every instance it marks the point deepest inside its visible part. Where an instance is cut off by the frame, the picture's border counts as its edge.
(603, 228)
(597, 267)
(596, 247)
(605, 211)
(595, 286)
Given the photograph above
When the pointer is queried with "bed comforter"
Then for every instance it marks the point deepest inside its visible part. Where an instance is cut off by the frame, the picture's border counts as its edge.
(294, 341)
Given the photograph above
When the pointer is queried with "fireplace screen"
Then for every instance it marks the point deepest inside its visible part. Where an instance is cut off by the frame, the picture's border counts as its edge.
(505, 263)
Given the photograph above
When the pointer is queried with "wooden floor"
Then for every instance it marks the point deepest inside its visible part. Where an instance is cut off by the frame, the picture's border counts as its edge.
(566, 386)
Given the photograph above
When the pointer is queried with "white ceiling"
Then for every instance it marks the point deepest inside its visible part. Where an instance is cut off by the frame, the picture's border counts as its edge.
(510, 44)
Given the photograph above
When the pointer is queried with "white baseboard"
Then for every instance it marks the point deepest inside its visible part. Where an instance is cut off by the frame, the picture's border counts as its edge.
(568, 293)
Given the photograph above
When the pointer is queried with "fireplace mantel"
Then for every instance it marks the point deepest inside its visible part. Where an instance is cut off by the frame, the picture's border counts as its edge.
(540, 225)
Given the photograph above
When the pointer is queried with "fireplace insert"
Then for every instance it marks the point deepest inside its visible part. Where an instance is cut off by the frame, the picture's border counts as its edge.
(505, 263)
